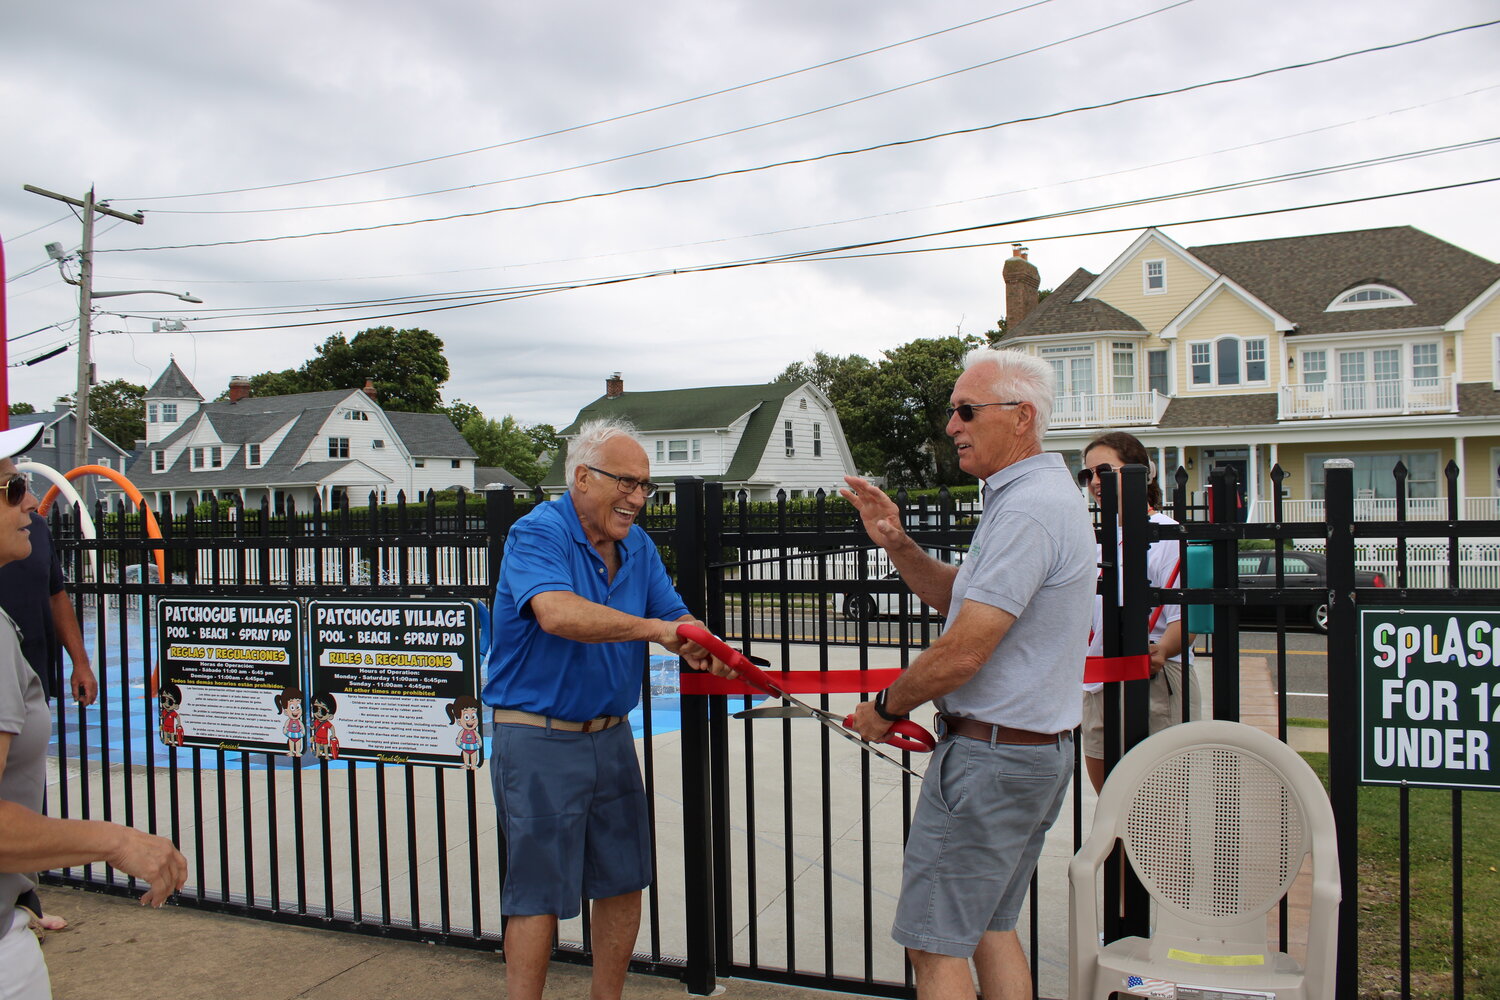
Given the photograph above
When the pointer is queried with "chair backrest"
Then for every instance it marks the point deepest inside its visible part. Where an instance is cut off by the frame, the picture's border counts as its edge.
(1216, 818)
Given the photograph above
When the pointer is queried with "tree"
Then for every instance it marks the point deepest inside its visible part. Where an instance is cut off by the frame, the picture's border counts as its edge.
(505, 443)
(545, 440)
(18, 408)
(461, 413)
(408, 368)
(117, 409)
(894, 412)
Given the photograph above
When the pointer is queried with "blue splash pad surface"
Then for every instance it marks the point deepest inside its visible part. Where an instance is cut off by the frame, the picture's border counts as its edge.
(120, 726)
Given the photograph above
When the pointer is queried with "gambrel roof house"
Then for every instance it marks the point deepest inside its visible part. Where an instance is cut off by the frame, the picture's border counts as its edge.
(757, 438)
(337, 446)
(55, 448)
(1378, 345)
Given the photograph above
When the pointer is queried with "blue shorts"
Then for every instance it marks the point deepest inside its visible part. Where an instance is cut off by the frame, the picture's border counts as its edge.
(978, 830)
(573, 811)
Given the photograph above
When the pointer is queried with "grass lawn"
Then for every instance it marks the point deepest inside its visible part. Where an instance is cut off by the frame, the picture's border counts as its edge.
(1431, 896)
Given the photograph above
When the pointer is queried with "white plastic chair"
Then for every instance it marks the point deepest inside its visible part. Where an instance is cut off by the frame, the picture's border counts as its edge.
(1216, 819)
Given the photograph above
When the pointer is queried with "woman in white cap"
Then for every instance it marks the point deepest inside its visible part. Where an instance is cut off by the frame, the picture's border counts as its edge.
(29, 841)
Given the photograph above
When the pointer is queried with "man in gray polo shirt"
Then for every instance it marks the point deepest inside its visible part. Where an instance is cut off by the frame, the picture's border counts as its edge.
(1004, 676)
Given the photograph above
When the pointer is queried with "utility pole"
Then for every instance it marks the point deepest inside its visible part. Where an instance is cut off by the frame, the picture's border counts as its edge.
(85, 309)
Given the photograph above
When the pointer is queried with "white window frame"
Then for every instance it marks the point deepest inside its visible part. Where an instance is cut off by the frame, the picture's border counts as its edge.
(150, 413)
(1064, 357)
(677, 449)
(1212, 346)
(661, 452)
(791, 446)
(1395, 298)
(419, 463)
(1119, 352)
(197, 459)
(1166, 356)
(1321, 368)
(252, 456)
(697, 449)
(158, 460)
(817, 440)
(338, 447)
(1160, 276)
(169, 413)
(49, 437)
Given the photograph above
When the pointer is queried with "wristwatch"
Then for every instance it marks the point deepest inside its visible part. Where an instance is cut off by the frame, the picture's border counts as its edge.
(880, 708)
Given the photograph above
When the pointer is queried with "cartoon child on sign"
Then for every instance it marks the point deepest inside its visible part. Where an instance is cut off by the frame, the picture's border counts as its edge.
(168, 700)
(325, 742)
(465, 711)
(289, 703)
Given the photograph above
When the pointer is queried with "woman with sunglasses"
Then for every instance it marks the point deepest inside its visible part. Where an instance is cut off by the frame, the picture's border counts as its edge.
(30, 842)
(1172, 679)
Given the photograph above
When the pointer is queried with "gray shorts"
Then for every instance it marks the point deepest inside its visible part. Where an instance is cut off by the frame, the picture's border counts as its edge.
(983, 814)
(1168, 688)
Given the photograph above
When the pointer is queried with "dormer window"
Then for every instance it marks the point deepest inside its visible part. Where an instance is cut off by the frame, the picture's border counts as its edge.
(1372, 296)
(252, 455)
(49, 437)
(208, 458)
(158, 461)
(169, 413)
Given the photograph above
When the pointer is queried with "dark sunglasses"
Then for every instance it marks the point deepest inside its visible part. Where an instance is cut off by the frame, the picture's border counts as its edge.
(1086, 475)
(628, 484)
(965, 411)
(16, 488)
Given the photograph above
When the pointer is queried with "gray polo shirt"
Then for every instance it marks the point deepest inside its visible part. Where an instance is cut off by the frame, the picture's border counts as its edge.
(23, 714)
(1034, 557)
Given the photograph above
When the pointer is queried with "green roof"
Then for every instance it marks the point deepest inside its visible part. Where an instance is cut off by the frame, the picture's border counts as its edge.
(690, 409)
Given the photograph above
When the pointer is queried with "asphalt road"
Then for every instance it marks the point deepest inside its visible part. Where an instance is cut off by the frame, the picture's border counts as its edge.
(1306, 668)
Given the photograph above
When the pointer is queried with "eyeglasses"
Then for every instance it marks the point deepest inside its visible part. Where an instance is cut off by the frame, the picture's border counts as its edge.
(1086, 475)
(16, 488)
(965, 411)
(628, 484)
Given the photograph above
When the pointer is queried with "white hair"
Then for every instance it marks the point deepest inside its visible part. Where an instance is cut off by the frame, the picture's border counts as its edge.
(1019, 377)
(586, 448)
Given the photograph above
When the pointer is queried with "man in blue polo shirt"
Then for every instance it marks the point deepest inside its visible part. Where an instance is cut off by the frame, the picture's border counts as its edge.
(582, 591)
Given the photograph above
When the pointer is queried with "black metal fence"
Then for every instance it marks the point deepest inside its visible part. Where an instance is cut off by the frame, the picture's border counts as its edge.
(777, 845)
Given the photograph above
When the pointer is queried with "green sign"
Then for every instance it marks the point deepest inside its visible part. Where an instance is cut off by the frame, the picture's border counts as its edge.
(1430, 698)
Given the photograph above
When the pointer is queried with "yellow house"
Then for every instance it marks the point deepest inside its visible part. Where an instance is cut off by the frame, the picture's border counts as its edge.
(1380, 346)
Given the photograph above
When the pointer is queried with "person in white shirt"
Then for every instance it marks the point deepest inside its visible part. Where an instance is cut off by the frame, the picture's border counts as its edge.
(1172, 680)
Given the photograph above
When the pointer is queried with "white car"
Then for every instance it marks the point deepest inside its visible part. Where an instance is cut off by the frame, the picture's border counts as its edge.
(867, 607)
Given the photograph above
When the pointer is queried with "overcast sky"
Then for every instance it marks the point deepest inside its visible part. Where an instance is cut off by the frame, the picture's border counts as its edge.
(162, 98)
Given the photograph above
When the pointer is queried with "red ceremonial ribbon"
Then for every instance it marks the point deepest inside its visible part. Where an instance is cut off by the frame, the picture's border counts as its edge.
(794, 682)
(1101, 669)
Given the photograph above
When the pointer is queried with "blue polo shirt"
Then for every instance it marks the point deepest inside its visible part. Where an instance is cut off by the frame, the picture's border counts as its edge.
(534, 671)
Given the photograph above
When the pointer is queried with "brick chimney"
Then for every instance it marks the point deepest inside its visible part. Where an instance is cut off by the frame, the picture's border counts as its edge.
(239, 388)
(614, 386)
(370, 389)
(1021, 283)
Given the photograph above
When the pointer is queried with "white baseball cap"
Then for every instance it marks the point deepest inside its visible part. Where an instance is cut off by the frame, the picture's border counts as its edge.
(20, 439)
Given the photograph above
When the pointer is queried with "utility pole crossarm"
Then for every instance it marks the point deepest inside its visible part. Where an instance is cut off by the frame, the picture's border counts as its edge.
(136, 217)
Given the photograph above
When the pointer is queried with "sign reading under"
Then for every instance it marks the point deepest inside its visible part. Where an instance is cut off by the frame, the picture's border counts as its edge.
(395, 681)
(230, 676)
(1430, 698)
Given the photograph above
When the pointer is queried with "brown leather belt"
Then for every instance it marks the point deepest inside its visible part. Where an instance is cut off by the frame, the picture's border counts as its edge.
(518, 718)
(990, 733)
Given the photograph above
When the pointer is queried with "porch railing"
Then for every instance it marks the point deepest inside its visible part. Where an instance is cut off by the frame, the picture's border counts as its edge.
(1377, 397)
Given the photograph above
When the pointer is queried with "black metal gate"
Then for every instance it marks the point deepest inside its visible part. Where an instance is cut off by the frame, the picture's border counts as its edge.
(777, 845)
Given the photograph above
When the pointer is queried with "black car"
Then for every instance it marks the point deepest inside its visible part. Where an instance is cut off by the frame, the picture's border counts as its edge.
(1300, 569)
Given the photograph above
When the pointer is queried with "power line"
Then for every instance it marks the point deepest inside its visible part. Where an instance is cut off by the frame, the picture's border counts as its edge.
(811, 225)
(823, 156)
(688, 142)
(844, 253)
(605, 121)
(236, 312)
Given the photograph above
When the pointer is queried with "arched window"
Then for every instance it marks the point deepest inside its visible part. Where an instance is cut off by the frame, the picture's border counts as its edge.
(1368, 296)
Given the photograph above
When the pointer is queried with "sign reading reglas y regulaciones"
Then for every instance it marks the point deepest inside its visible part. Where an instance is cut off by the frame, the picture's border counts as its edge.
(395, 681)
(1430, 697)
(229, 675)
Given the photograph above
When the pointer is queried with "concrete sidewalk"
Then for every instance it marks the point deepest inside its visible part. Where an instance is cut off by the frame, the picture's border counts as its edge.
(118, 950)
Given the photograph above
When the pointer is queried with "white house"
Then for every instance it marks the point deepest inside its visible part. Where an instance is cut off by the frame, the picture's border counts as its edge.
(757, 438)
(337, 446)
